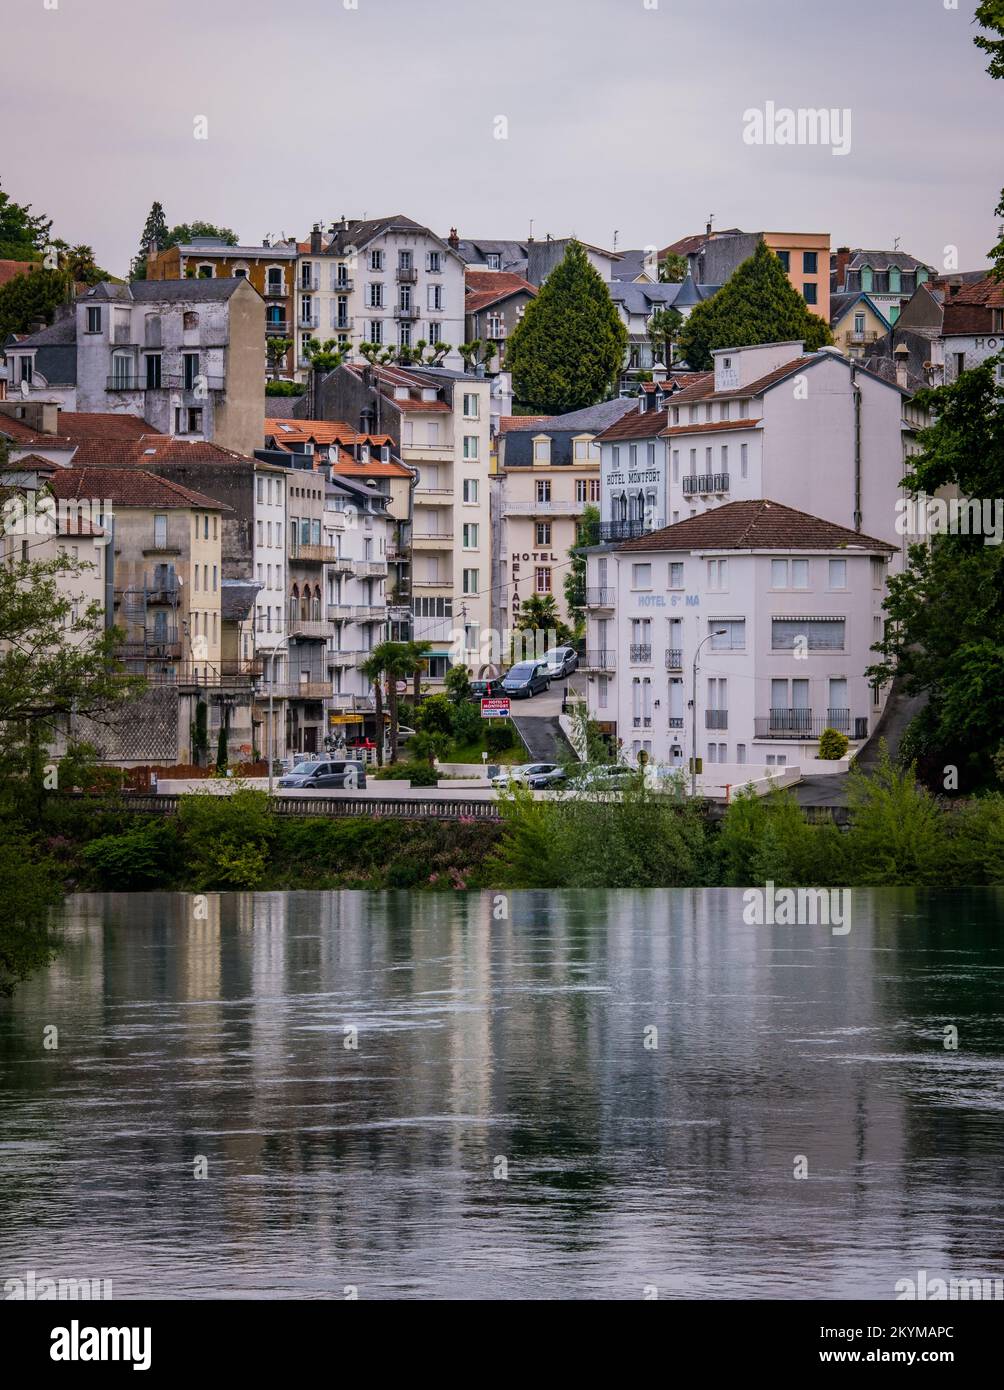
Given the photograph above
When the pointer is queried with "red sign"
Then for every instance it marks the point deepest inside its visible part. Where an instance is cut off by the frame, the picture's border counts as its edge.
(496, 708)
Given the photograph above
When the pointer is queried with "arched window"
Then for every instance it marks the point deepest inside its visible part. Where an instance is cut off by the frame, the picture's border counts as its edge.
(623, 507)
(315, 613)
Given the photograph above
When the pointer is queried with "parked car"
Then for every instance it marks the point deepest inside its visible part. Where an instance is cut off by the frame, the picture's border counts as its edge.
(561, 661)
(526, 679)
(325, 773)
(607, 777)
(541, 781)
(361, 741)
(404, 733)
(522, 773)
(486, 689)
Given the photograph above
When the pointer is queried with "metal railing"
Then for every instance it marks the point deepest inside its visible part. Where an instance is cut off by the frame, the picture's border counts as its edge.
(640, 651)
(309, 628)
(178, 381)
(407, 311)
(802, 723)
(308, 284)
(705, 482)
(208, 675)
(624, 530)
(675, 721)
(602, 597)
(312, 320)
(559, 508)
(123, 383)
(407, 274)
(424, 808)
(342, 286)
(599, 659)
(294, 690)
(341, 612)
(674, 659)
(275, 289)
(277, 326)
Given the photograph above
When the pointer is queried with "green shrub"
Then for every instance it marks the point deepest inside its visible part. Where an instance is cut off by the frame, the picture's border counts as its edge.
(468, 726)
(419, 774)
(143, 857)
(284, 388)
(435, 715)
(897, 833)
(500, 736)
(226, 838)
(832, 745)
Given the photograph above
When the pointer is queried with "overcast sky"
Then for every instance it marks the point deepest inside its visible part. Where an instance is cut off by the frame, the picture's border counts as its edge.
(622, 118)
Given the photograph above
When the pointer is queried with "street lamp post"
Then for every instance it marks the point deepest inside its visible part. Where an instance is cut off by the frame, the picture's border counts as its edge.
(271, 718)
(719, 632)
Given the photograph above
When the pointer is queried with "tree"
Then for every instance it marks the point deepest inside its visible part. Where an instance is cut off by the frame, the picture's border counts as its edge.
(32, 297)
(396, 662)
(458, 684)
(575, 580)
(154, 231)
(944, 634)
(757, 305)
(80, 264)
(23, 237)
(539, 613)
(418, 652)
(326, 356)
(185, 232)
(663, 331)
(372, 669)
(275, 351)
(568, 349)
(673, 269)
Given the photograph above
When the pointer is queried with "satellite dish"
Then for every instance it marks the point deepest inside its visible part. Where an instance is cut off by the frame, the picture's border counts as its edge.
(25, 388)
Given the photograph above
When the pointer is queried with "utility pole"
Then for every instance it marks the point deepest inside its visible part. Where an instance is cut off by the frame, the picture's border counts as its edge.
(720, 632)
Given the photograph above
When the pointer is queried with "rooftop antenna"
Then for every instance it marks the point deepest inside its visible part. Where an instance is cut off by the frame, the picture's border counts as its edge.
(616, 235)
(895, 243)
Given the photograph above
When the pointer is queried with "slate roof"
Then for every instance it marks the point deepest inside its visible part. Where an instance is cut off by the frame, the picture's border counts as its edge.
(360, 234)
(882, 260)
(237, 598)
(641, 298)
(633, 263)
(168, 291)
(754, 525)
(60, 333)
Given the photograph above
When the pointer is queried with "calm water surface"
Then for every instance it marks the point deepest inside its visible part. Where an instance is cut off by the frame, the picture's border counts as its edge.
(634, 1157)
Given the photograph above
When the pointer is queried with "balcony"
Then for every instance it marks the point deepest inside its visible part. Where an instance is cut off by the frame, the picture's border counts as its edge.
(344, 660)
(204, 675)
(446, 583)
(342, 286)
(155, 645)
(407, 312)
(307, 554)
(341, 564)
(406, 274)
(371, 569)
(275, 289)
(802, 724)
(674, 659)
(675, 721)
(599, 659)
(277, 326)
(308, 284)
(309, 628)
(312, 320)
(294, 690)
(640, 652)
(422, 491)
(124, 383)
(432, 540)
(559, 508)
(341, 612)
(354, 704)
(705, 483)
(626, 530)
(603, 597)
(716, 719)
(179, 381)
(370, 612)
(343, 325)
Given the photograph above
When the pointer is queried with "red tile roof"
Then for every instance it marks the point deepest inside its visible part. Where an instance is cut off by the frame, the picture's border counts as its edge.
(78, 425)
(22, 433)
(486, 287)
(130, 487)
(9, 269)
(635, 424)
(755, 525)
(508, 423)
(969, 310)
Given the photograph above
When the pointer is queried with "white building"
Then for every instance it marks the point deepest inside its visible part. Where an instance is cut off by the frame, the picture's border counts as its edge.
(778, 609)
(386, 280)
(815, 430)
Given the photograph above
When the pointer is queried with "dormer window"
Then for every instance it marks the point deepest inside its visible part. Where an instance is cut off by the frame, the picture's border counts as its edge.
(493, 260)
(206, 271)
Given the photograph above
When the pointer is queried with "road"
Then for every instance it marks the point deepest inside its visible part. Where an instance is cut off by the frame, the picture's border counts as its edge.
(536, 720)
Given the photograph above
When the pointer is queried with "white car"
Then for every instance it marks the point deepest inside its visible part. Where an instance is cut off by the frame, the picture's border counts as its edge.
(404, 733)
(521, 774)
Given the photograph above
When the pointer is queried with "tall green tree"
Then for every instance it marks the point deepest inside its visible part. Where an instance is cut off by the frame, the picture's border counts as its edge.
(757, 305)
(23, 236)
(539, 613)
(154, 230)
(663, 332)
(944, 637)
(568, 350)
(673, 269)
(575, 580)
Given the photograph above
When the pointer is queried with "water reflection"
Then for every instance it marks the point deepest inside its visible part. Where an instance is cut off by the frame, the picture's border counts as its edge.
(356, 1069)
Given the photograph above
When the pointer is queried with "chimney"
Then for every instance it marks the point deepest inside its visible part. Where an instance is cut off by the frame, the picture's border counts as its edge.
(707, 229)
(902, 356)
(659, 372)
(315, 239)
(453, 239)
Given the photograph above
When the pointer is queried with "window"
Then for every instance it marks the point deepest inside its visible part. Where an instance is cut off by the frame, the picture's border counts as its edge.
(726, 410)
(470, 535)
(810, 293)
(543, 489)
(641, 576)
(470, 581)
(94, 320)
(435, 333)
(375, 294)
(194, 421)
(261, 489)
(837, 574)
(878, 573)
(793, 574)
(376, 260)
(404, 335)
(214, 579)
(580, 490)
(594, 483)
(816, 634)
(27, 364)
(470, 446)
(205, 272)
(436, 297)
(541, 451)
(471, 404)
(159, 532)
(153, 363)
(810, 262)
(190, 362)
(493, 260)
(744, 462)
(859, 323)
(718, 574)
(542, 579)
(740, 753)
(785, 258)
(728, 634)
(470, 489)
(676, 465)
(676, 574)
(434, 262)
(542, 533)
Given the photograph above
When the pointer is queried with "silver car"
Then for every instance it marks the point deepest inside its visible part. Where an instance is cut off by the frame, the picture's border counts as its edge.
(335, 774)
(521, 774)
